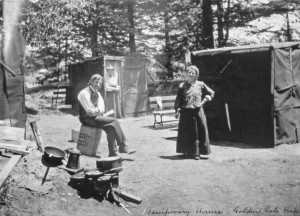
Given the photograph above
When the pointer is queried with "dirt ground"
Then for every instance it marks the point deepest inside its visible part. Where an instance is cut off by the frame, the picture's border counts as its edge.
(236, 180)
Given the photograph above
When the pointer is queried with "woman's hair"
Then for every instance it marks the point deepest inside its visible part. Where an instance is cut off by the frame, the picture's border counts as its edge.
(194, 68)
(95, 77)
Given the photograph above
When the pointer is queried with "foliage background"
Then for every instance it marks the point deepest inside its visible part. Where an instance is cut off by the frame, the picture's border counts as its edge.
(61, 32)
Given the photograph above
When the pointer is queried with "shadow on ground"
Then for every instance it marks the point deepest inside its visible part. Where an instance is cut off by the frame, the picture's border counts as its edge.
(173, 157)
(180, 157)
(237, 141)
(174, 138)
(85, 190)
(31, 111)
(159, 127)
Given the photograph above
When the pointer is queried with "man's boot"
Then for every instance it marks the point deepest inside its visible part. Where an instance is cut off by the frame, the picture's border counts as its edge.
(123, 148)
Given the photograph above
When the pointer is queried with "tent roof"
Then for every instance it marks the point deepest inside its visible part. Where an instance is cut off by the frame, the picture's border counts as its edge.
(104, 57)
(245, 49)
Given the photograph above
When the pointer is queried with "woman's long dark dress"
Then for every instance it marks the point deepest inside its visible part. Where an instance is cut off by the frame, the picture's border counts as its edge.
(189, 98)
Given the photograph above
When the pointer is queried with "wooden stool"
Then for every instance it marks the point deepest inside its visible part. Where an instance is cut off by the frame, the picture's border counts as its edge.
(88, 140)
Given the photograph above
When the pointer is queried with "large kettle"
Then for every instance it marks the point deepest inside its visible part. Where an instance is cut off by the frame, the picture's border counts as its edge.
(54, 156)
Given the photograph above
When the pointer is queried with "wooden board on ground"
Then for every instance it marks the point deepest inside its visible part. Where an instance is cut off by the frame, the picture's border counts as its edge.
(37, 136)
(12, 134)
(8, 168)
(22, 149)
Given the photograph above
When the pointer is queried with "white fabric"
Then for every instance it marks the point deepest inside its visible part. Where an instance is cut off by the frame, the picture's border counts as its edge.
(159, 102)
(84, 98)
(111, 81)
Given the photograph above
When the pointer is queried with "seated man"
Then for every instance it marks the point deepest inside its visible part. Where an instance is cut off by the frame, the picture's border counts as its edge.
(91, 110)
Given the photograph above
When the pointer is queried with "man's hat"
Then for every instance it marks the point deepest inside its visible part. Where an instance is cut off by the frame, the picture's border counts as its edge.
(109, 67)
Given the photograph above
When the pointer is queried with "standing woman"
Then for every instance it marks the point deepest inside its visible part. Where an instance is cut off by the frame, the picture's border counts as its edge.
(192, 139)
(112, 88)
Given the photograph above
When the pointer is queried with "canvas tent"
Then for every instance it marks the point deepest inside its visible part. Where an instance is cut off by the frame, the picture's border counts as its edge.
(12, 94)
(257, 92)
(133, 96)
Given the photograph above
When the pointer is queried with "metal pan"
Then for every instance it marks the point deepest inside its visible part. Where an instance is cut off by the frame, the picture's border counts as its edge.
(54, 155)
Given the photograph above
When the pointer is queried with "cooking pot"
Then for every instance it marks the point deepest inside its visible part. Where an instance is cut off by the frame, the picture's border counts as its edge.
(54, 155)
(105, 164)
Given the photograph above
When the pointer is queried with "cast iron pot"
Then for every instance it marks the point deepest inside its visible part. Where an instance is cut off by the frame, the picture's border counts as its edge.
(54, 155)
(109, 163)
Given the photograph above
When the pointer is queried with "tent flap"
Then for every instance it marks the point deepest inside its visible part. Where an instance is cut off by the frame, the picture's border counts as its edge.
(135, 93)
(287, 94)
(287, 122)
(287, 65)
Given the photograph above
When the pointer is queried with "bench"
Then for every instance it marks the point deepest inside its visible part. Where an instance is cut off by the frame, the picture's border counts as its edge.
(58, 94)
(162, 105)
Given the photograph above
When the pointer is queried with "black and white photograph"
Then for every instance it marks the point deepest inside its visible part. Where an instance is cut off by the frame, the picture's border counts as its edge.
(149, 107)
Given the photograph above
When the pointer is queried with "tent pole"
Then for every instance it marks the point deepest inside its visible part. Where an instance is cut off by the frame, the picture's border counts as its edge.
(8, 68)
(227, 116)
(225, 67)
(273, 120)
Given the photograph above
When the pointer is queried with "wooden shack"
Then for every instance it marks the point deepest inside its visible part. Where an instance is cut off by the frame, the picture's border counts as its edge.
(131, 73)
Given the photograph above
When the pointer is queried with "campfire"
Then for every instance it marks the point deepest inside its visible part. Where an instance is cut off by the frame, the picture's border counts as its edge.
(101, 183)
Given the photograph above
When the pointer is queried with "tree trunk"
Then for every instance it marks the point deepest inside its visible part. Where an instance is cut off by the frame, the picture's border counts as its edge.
(94, 40)
(220, 16)
(130, 13)
(167, 30)
(227, 23)
(66, 58)
(168, 47)
(288, 29)
(207, 36)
